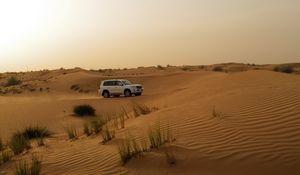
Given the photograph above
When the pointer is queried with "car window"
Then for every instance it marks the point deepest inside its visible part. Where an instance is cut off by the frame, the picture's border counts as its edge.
(126, 82)
(118, 83)
(108, 83)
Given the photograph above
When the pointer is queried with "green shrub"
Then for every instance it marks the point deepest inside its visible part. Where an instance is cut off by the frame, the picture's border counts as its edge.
(284, 69)
(35, 132)
(84, 110)
(19, 143)
(12, 81)
(28, 168)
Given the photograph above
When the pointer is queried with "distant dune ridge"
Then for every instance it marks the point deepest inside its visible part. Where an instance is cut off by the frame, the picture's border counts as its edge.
(227, 119)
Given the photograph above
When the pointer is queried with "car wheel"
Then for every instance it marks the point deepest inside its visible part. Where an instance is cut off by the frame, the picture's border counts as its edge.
(106, 94)
(127, 93)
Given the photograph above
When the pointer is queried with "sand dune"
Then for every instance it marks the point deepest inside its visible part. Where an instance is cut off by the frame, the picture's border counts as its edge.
(255, 129)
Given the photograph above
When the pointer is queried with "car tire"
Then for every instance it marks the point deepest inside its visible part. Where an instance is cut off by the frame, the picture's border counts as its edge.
(106, 94)
(127, 93)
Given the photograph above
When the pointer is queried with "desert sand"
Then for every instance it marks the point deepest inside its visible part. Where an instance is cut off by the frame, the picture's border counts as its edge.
(256, 129)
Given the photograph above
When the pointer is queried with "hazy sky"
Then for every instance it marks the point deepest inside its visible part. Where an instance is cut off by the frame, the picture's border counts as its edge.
(39, 34)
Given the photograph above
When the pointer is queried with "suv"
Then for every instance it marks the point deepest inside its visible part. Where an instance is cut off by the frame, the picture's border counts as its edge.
(119, 87)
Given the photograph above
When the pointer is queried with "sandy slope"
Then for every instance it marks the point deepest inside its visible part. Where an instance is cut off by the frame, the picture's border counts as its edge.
(257, 130)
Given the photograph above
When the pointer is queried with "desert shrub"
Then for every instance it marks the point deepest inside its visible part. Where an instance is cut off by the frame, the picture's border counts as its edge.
(217, 69)
(84, 110)
(13, 81)
(75, 87)
(19, 143)
(284, 69)
(35, 132)
(6, 155)
(29, 168)
(160, 67)
(107, 134)
(71, 132)
(140, 109)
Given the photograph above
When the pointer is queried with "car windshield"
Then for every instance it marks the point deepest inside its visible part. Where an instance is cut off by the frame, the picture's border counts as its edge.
(126, 82)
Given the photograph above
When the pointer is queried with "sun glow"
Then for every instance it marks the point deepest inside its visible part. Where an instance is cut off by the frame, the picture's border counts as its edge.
(19, 20)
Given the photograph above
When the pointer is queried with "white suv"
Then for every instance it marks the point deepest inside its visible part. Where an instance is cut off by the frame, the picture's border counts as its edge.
(119, 87)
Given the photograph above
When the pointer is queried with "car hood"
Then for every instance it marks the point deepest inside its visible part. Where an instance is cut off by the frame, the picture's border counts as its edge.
(133, 85)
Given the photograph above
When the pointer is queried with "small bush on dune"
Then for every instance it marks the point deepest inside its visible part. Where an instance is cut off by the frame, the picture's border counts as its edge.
(75, 87)
(160, 67)
(84, 110)
(28, 168)
(12, 81)
(284, 69)
(19, 143)
(217, 69)
(36, 132)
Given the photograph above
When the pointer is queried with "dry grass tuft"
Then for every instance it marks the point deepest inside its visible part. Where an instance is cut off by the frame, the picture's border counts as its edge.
(29, 168)
(86, 129)
(159, 137)
(124, 150)
(71, 132)
(107, 134)
(96, 124)
(5, 155)
(141, 109)
(19, 143)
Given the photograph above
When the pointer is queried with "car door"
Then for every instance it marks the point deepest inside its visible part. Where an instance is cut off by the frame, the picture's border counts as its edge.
(119, 87)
